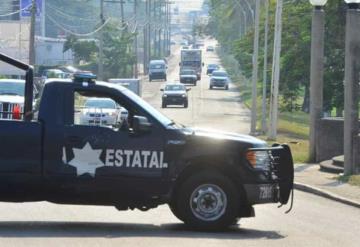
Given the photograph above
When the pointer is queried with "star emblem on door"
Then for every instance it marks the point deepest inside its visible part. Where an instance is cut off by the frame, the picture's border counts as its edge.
(86, 160)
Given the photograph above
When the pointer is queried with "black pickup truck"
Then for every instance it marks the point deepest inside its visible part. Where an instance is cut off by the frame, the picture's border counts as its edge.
(209, 179)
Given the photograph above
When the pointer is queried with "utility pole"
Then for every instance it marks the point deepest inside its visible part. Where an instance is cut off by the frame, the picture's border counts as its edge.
(135, 42)
(32, 33)
(351, 90)
(122, 13)
(255, 69)
(263, 115)
(149, 32)
(145, 36)
(275, 72)
(101, 43)
(316, 76)
(43, 29)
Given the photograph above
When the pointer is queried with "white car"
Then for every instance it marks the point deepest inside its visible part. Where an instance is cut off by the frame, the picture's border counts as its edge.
(11, 98)
(219, 78)
(102, 111)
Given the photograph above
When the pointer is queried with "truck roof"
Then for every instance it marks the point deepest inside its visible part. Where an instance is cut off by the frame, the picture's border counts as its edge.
(100, 83)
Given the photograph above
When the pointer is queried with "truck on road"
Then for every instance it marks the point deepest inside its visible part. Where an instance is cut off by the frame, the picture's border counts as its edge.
(192, 59)
(209, 179)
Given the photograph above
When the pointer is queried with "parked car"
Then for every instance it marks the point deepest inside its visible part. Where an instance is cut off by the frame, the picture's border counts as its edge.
(219, 78)
(210, 48)
(11, 98)
(188, 76)
(211, 67)
(174, 94)
(102, 111)
(157, 70)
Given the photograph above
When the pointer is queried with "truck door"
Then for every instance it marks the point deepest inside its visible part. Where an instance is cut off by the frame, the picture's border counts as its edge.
(103, 152)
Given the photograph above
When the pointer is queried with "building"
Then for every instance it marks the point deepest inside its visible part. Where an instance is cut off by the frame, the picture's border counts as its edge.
(49, 51)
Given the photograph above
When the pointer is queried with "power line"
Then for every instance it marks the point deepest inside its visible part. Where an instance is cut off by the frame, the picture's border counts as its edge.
(78, 34)
(70, 16)
(16, 12)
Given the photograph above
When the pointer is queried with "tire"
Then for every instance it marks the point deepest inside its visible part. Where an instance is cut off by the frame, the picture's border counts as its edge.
(195, 82)
(186, 104)
(175, 212)
(227, 87)
(211, 87)
(163, 105)
(150, 79)
(207, 187)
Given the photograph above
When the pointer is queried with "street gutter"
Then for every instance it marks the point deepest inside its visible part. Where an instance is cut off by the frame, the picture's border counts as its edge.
(325, 194)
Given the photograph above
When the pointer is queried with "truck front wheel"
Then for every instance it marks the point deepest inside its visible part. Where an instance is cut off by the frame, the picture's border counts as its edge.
(207, 201)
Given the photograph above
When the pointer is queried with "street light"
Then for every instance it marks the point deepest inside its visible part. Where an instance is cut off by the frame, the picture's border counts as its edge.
(351, 92)
(316, 72)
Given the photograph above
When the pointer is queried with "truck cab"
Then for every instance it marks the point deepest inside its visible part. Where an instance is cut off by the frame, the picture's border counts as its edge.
(208, 178)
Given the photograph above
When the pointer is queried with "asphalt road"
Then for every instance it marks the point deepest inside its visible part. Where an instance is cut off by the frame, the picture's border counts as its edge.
(314, 221)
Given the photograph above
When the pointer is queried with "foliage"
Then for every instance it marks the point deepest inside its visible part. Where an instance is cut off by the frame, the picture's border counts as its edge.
(295, 51)
(82, 49)
(118, 55)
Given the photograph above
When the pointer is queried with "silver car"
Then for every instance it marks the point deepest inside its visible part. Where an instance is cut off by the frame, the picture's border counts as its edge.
(219, 78)
(102, 111)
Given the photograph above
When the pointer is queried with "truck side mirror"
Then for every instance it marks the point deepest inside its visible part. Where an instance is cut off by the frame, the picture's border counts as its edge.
(203, 64)
(188, 89)
(179, 64)
(141, 124)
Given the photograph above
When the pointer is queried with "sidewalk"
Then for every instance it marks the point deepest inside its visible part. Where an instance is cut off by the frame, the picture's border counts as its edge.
(309, 178)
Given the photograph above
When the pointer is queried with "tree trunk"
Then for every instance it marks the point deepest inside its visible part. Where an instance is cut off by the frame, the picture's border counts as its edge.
(339, 111)
(306, 102)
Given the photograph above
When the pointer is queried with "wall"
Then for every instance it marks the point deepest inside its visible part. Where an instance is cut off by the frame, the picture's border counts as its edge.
(330, 139)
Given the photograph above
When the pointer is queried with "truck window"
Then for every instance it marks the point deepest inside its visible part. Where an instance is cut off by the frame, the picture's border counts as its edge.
(12, 99)
(99, 111)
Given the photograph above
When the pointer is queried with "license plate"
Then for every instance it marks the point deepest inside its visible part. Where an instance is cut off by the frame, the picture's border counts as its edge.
(266, 191)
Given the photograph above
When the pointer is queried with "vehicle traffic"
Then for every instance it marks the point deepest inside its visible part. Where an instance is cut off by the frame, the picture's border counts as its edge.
(210, 48)
(174, 94)
(157, 70)
(219, 78)
(211, 67)
(209, 179)
(192, 59)
(188, 76)
(102, 111)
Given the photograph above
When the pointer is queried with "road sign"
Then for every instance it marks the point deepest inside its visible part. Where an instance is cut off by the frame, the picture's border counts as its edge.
(25, 6)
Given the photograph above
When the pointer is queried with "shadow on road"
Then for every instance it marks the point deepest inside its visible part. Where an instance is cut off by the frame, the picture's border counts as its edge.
(32, 229)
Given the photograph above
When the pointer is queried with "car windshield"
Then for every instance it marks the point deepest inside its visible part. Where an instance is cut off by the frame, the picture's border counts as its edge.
(12, 88)
(187, 72)
(220, 74)
(157, 66)
(100, 103)
(212, 66)
(175, 87)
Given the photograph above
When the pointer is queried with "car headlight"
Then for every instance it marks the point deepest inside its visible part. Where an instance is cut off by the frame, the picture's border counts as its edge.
(164, 95)
(184, 95)
(259, 159)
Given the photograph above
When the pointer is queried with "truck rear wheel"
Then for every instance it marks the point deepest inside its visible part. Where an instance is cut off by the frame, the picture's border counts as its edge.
(207, 201)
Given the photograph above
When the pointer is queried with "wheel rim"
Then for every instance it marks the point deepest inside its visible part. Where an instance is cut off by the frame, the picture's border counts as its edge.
(208, 202)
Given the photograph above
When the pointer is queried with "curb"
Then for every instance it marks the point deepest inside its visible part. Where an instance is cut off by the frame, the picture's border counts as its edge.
(325, 194)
